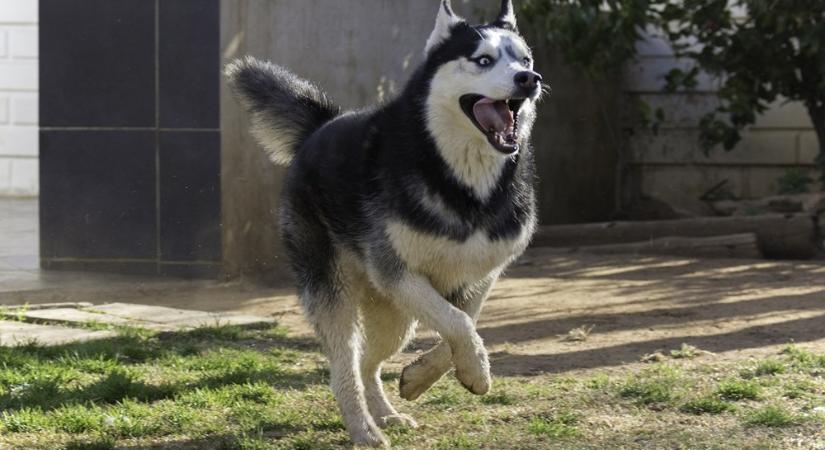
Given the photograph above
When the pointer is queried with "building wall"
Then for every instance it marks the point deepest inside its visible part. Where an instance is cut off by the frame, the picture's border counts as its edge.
(672, 165)
(18, 98)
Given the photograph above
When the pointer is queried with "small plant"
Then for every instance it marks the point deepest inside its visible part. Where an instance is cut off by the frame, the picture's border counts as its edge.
(559, 425)
(794, 181)
(771, 416)
(459, 442)
(648, 392)
(499, 398)
(769, 367)
(706, 405)
(799, 389)
(736, 390)
(687, 351)
(804, 360)
(17, 314)
(579, 334)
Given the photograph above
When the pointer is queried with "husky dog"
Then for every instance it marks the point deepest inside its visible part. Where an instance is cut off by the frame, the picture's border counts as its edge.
(405, 212)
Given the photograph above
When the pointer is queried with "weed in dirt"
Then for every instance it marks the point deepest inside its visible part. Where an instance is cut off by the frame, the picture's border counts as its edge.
(654, 386)
(771, 416)
(804, 360)
(225, 332)
(767, 367)
(558, 425)
(687, 351)
(499, 398)
(706, 405)
(796, 389)
(735, 390)
(456, 442)
(579, 334)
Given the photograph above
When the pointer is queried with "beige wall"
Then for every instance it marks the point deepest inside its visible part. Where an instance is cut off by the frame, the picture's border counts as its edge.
(363, 50)
(672, 165)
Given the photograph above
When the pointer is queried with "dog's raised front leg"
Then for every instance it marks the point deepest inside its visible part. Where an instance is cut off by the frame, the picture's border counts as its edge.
(415, 295)
(424, 372)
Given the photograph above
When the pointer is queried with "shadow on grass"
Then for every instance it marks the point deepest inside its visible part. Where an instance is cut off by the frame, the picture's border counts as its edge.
(44, 377)
(270, 432)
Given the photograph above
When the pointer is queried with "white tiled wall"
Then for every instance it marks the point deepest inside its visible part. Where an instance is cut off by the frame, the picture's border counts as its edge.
(18, 98)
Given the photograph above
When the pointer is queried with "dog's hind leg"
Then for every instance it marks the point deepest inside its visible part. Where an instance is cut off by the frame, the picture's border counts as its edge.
(336, 324)
(424, 372)
(386, 331)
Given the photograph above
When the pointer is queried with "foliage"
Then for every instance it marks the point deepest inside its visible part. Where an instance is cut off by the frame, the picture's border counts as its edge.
(597, 36)
(775, 50)
(794, 181)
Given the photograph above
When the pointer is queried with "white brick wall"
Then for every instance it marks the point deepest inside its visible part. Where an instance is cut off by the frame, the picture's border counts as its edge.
(672, 165)
(18, 98)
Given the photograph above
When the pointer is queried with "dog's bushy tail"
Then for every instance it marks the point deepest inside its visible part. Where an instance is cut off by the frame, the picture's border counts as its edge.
(285, 109)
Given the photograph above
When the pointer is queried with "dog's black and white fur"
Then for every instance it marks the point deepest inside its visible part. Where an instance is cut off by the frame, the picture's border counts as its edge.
(406, 212)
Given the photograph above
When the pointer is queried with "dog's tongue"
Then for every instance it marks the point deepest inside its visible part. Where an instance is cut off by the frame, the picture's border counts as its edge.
(493, 115)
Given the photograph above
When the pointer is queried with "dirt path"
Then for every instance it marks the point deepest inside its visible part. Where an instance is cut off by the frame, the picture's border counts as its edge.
(636, 305)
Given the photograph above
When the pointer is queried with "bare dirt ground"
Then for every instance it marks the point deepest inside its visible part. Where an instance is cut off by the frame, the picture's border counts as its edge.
(736, 309)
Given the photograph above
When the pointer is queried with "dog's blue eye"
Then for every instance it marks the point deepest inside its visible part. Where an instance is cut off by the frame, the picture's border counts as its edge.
(527, 61)
(484, 61)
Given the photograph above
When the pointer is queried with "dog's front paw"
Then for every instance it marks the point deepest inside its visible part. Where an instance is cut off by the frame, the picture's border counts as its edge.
(396, 419)
(370, 437)
(473, 371)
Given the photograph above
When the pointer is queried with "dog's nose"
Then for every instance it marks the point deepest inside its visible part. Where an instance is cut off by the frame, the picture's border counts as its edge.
(528, 80)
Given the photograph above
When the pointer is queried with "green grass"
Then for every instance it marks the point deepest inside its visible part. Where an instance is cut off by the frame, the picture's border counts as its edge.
(706, 405)
(735, 390)
(224, 388)
(802, 360)
(656, 387)
(771, 416)
(559, 425)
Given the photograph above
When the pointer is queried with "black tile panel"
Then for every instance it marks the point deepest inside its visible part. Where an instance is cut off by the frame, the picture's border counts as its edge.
(97, 63)
(190, 211)
(97, 194)
(189, 63)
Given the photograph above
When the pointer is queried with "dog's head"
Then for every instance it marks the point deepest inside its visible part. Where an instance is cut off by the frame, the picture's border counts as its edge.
(483, 85)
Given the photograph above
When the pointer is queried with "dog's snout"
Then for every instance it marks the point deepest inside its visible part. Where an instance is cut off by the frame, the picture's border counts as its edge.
(528, 80)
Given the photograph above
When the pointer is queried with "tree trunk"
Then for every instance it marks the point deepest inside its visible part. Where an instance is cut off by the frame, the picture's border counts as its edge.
(817, 113)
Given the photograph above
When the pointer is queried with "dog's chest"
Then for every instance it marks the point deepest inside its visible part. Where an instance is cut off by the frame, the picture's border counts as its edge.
(451, 264)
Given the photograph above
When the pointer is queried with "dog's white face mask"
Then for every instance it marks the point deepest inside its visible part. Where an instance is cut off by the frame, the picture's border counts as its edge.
(487, 94)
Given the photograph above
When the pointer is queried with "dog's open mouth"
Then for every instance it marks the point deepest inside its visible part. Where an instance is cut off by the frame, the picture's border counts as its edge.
(497, 119)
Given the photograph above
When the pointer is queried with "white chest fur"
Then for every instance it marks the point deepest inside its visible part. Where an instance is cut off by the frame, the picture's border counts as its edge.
(451, 264)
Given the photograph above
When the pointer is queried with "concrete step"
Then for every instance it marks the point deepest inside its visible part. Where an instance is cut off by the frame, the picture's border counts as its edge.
(14, 333)
(173, 319)
(65, 323)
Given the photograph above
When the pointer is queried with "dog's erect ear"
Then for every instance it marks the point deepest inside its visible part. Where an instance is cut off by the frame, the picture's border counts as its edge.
(507, 17)
(444, 24)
